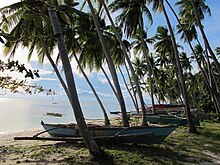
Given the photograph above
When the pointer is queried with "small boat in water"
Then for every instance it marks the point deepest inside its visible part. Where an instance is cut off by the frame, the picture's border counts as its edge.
(54, 114)
(135, 135)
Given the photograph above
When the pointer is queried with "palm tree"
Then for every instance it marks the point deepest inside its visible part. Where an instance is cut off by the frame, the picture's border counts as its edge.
(119, 58)
(110, 65)
(208, 78)
(138, 49)
(158, 5)
(107, 122)
(90, 54)
(165, 53)
(182, 27)
(193, 12)
(190, 33)
(162, 84)
(25, 37)
(25, 22)
(141, 70)
(163, 47)
(136, 43)
(123, 47)
(217, 50)
(131, 18)
(35, 33)
(185, 62)
(89, 141)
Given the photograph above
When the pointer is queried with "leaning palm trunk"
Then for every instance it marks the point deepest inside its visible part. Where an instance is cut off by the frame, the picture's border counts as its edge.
(215, 96)
(106, 119)
(148, 66)
(109, 82)
(55, 69)
(204, 37)
(213, 84)
(156, 83)
(160, 91)
(74, 101)
(192, 128)
(136, 81)
(110, 65)
(129, 92)
(178, 79)
(132, 88)
(152, 94)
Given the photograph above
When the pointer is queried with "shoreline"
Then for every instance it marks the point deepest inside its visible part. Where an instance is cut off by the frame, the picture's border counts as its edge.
(17, 131)
(7, 138)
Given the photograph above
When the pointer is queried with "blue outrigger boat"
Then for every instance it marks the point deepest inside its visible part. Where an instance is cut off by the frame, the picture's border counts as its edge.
(135, 135)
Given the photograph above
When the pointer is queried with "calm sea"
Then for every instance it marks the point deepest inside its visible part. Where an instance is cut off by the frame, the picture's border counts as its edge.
(26, 113)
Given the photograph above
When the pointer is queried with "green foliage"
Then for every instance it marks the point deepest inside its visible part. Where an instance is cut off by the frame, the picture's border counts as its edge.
(217, 50)
(6, 36)
(206, 105)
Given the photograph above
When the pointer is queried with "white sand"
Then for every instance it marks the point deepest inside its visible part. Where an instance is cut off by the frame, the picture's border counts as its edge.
(7, 138)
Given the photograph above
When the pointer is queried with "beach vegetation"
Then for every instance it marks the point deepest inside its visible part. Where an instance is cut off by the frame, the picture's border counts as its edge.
(179, 148)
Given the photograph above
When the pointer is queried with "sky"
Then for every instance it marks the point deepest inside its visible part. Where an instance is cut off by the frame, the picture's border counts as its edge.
(49, 80)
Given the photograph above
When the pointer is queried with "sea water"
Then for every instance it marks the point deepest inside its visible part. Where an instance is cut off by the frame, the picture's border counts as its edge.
(27, 112)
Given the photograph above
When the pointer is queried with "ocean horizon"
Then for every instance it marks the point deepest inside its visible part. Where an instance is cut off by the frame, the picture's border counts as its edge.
(27, 112)
(23, 111)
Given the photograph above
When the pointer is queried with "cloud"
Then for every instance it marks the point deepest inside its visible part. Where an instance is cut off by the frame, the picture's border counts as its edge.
(45, 72)
(6, 3)
(84, 91)
(105, 94)
(45, 79)
(103, 80)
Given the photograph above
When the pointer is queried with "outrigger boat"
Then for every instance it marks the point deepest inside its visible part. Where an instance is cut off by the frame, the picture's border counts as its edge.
(135, 135)
(165, 119)
(102, 134)
(170, 119)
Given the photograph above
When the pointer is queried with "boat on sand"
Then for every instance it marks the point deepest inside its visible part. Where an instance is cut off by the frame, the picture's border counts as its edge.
(135, 135)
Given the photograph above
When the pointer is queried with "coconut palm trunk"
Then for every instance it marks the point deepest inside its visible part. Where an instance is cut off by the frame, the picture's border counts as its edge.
(136, 81)
(152, 94)
(55, 68)
(106, 119)
(74, 101)
(109, 82)
(192, 128)
(132, 88)
(129, 92)
(156, 81)
(148, 65)
(204, 37)
(110, 65)
(213, 84)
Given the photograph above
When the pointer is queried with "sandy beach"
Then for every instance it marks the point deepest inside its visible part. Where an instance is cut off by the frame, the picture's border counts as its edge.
(27, 152)
(7, 138)
(49, 152)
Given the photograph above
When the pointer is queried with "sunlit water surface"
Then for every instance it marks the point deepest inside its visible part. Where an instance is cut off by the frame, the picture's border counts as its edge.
(26, 113)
